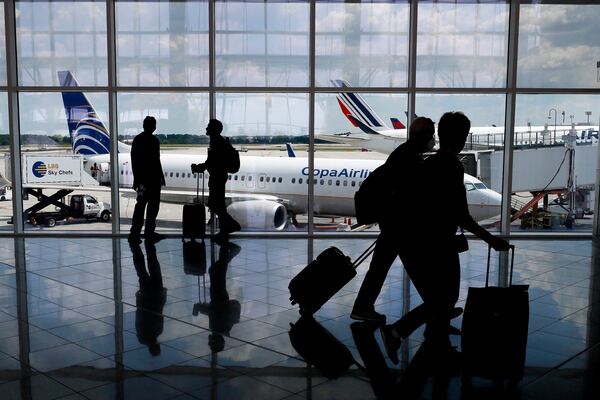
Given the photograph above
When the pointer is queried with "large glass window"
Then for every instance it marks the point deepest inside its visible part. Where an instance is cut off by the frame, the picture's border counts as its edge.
(345, 154)
(61, 36)
(269, 193)
(558, 45)
(363, 43)
(65, 160)
(262, 43)
(2, 47)
(6, 189)
(162, 43)
(554, 166)
(181, 121)
(484, 146)
(462, 44)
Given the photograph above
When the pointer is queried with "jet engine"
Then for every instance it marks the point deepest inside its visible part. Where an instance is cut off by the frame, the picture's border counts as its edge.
(259, 214)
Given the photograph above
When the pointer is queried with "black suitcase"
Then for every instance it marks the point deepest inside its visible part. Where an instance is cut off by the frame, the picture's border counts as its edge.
(194, 215)
(323, 278)
(494, 331)
(319, 347)
(194, 258)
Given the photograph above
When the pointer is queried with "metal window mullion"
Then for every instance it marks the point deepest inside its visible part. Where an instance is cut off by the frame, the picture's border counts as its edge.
(509, 119)
(113, 125)
(13, 114)
(212, 111)
(311, 119)
(412, 61)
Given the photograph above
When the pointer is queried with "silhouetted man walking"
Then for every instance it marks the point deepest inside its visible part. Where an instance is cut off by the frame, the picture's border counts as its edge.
(402, 175)
(148, 178)
(216, 164)
(438, 277)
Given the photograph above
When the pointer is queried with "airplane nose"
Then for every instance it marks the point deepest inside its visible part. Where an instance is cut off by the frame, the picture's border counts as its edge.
(493, 198)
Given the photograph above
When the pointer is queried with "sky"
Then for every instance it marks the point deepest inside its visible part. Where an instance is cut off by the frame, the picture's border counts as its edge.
(165, 44)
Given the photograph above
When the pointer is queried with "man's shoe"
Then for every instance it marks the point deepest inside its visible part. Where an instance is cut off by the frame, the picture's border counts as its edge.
(368, 315)
(154, 237)
(391, 342)
(134, 239)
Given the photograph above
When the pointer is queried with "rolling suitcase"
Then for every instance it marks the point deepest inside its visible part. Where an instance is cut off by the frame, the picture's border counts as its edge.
(194, 215)
(494, 331)
(324, 277)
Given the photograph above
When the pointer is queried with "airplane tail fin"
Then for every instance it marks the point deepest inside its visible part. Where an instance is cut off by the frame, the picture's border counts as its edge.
(397, 124)
(88, 133)
(290, 150)
(353, 105)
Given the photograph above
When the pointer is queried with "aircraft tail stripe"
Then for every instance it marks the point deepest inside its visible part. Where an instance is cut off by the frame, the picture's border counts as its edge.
(356, 112)
(364, 108)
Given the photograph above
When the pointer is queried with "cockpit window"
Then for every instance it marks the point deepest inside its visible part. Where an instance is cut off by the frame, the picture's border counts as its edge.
(480, 185)
(469, 187)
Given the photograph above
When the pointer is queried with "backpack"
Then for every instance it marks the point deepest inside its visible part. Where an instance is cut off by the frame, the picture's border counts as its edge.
(232, 158)
(372, 192)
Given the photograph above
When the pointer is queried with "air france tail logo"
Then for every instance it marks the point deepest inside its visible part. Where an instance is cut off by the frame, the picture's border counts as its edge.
(339, 173)
(39, 169)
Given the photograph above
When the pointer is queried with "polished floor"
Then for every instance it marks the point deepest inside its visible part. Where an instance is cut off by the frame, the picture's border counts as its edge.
(98, 319)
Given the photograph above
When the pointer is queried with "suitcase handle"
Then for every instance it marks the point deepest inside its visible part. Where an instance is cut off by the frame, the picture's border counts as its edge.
(364, 255)
(512, 264)
(198, 187)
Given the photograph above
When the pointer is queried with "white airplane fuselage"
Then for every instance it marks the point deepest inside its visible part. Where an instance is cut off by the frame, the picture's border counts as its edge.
(336, 181)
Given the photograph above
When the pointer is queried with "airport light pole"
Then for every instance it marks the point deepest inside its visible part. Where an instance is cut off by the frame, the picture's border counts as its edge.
(550, 117)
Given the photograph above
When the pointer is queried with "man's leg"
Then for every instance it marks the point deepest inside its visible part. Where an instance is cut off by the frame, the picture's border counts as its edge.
(383, 257)
(152, 212)
(138, 217)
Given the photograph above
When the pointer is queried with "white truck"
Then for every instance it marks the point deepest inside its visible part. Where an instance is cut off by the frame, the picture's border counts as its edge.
(79, 206)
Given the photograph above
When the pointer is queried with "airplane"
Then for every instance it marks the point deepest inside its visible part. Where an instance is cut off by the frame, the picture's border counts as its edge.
(262, 194)
(376, 135)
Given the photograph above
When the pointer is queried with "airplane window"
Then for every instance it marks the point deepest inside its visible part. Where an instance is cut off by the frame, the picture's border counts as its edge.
(195, 175)
(166, 173)
(469, 187)
(229, 176)
(345, 183)
(268, 179)
(353, 183)
(314, 181)
(249, 177)
(242, 178)
(280, 180)
(235, 177)
(480, 186)
(261, 179)
(171, 174)
(293, 180)
(122, 172)
(176, 174)
(337, 183)
(273, 179)
(329, 182)
(322, 181)
(189, 174)
(299, 180)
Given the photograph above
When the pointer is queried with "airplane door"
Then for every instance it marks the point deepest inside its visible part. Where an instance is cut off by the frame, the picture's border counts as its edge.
(262, 181)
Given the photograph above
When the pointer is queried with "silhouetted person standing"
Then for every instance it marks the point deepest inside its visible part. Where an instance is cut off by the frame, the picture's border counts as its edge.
(148, 178)
(150, 298)
(402, 174)
(438, 282)
(216, 165)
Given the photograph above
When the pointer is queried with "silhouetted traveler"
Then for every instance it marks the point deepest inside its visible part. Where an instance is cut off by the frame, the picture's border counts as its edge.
(438, 277)
(217, 164)
(150, 298)
(222, 312)
(403, 173)
(148, 178)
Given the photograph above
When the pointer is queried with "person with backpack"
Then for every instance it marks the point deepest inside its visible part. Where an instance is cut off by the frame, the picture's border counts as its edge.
(383, 197)
(222, 159)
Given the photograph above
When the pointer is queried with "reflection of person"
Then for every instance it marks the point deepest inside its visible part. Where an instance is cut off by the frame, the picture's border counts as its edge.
(215, 164)
(150, 298)
(222, 312)
(424, 364)
(403, 169)
(438, 278)
(147, 181)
